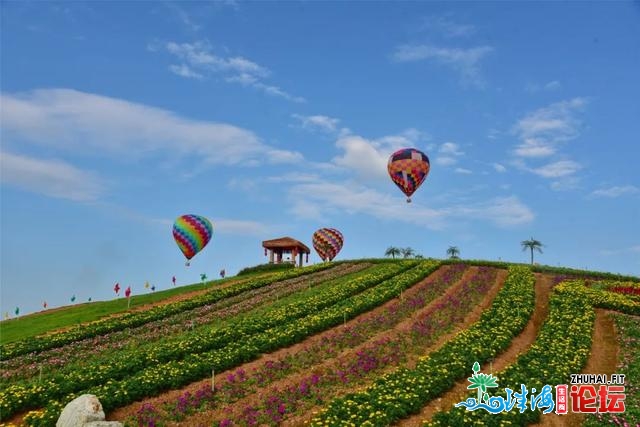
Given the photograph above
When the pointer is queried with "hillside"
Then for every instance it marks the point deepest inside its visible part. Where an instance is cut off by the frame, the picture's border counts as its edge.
(364, 342)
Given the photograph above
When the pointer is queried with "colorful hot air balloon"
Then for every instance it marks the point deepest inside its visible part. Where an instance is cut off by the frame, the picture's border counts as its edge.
(327, 242)
(192, 233)
(408, 168)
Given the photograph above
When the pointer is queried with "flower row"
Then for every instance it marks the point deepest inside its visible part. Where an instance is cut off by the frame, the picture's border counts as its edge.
(190, 345)
(549, 361)
(132, 320)
(404, 391)
(157, 378)
(26, 366)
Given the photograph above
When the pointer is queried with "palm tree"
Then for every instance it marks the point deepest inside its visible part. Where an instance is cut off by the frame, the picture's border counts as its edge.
(531, 245)
(392, 251)
(407, 252)
(453, 252)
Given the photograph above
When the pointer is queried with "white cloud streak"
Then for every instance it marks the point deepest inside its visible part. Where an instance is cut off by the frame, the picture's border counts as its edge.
(465, 61)
(368, 158)
(91, 124)
(317, 122)
(53, 178)
(198, 60)
(543, 130)
(319, 199)
(616, 191)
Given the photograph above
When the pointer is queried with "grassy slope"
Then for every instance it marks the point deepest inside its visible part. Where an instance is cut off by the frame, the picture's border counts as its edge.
(44, 321)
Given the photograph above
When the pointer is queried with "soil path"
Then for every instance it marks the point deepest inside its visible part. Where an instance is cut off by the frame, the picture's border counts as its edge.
(471, 317)
(602, 360)
(519, 344)
(124, 412)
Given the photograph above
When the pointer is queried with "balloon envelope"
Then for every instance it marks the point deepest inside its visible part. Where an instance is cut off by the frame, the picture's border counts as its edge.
(192, 233)
(327, 242)
(408, 168)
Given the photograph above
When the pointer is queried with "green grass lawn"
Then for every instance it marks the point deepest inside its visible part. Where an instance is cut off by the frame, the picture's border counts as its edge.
(45, 321)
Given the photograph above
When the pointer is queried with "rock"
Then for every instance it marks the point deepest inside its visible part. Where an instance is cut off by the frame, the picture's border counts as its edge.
(84, 411)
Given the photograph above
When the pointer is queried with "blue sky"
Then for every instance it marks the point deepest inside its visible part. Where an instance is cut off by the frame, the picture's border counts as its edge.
(276, 119)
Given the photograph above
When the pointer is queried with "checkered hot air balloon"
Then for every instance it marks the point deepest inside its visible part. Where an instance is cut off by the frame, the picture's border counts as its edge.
(192, 233)
(408, 169)
(327, 242)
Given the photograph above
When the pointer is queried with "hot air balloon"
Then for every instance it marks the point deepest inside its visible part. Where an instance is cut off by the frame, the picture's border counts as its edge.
(192, 233)
(408, 168)
(327, 242)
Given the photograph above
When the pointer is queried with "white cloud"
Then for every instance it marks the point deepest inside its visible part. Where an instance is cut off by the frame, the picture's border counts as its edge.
(499, 168)
(446, 161)
(451, 148)
(463, 171)
(198, 59)
(557, 169)
(448, 154)
(294, 177)
(317, 122)
(284, 156)
(565, 184)
(316, 200)
(183, 70)
(542, 130)
(464, 61)
(616, 191)
(90, 124)
(362, 156)
(53, 178)
(446, 27)
(368, 158)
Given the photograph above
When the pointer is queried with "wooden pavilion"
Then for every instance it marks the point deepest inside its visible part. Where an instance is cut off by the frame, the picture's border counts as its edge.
(276, 248)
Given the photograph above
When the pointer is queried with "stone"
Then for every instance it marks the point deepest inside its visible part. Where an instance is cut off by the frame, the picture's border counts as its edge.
(84, 411)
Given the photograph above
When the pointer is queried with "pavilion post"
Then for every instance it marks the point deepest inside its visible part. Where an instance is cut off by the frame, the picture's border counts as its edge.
(270, 256)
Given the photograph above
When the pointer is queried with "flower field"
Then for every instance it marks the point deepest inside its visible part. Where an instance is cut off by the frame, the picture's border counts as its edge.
(362, 343)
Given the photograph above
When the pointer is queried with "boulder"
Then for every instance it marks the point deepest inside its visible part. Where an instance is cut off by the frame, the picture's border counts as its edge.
(84, 411)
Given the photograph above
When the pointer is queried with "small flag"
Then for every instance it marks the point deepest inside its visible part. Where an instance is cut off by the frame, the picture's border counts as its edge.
(89, 299)
(116, 288)
(17, 311)
(203, 277)
(73, 298)
(127, 293)
(153, 288)
(44, 304)
(174, 280)
(222, 273)
(146, 284)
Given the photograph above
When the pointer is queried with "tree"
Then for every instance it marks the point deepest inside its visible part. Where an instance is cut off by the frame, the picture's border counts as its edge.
(407, 252)
(531, 245)
(453, 252)
(392, 251)
(418, 256)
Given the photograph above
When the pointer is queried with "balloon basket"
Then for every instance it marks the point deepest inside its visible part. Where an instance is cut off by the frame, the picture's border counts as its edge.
(187, 264)
(408, 199)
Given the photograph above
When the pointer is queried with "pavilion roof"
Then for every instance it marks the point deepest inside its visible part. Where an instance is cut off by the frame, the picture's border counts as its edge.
(284, 243)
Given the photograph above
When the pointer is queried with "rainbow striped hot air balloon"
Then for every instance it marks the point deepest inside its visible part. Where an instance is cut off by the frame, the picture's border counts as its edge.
(192, 233)
(327, 242)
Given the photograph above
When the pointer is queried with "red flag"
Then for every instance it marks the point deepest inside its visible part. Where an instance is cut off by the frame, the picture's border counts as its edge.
(127, 293)
(116, 288)
(174, 280)
(44, 304)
